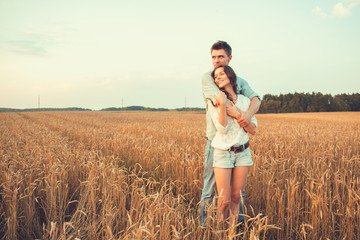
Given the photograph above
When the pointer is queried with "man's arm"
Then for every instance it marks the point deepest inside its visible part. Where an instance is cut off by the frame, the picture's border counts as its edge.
(253, 108)
(236, 113)
(250, 128)
(209, 88)
(255, 102)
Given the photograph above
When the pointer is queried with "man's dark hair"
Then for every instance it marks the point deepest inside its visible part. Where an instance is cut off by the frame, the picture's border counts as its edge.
(222, 45)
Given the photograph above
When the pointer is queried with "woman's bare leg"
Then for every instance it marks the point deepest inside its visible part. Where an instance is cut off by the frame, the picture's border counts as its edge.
(223, 180)
(239, 176)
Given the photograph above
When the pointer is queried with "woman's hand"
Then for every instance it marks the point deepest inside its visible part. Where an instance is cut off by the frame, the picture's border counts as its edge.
(232, 111)
(221, 98)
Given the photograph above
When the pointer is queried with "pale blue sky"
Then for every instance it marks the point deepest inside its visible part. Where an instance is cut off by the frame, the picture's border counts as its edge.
(93, 54)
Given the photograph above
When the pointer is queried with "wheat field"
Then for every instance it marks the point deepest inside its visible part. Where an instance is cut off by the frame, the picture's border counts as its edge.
(138, 175)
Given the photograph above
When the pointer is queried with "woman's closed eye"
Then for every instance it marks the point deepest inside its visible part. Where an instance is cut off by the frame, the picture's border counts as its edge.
(221, 74)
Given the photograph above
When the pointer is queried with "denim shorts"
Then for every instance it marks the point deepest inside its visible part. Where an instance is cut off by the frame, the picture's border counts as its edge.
(229, 159)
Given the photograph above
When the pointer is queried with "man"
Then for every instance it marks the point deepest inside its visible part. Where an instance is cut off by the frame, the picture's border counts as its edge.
(221, 55)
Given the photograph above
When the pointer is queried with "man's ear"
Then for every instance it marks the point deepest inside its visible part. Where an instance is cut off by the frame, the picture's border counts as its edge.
(230, 57)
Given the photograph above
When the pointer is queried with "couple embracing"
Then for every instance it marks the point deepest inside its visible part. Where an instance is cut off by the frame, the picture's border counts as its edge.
(230, 108)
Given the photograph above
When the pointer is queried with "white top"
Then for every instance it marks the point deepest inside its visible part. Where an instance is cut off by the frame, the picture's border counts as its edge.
(209, 88)
(233, 133)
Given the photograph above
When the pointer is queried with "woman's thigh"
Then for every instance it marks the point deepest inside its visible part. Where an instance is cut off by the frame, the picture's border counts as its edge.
(223, 181)
(239, 176)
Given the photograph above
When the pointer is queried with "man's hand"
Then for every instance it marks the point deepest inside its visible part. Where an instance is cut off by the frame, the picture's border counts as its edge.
(233, 111)
(244, 119)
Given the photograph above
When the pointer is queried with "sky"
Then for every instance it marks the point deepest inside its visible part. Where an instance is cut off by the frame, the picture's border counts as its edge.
(99, 54)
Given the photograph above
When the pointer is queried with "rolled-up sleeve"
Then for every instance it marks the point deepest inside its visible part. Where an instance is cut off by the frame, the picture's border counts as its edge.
(209, 87)
(245, 89)
(254, 121)
(214, 113)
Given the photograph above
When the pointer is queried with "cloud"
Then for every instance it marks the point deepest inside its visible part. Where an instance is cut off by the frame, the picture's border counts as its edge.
(344, 8)
(29, 43)
(318, 11)
(339, 10)
(28, 47)
(38, 42)
(351, 3)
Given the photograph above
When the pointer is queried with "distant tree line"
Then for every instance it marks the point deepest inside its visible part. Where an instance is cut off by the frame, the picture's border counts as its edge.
(309, 102)
(283, 103)
(190, 109)
(43, 109)
(134, 108)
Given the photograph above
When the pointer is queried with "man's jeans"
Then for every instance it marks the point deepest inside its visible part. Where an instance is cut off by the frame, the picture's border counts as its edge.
(208, 191)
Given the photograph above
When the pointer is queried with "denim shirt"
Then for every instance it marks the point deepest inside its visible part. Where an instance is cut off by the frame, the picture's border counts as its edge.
(209, 89)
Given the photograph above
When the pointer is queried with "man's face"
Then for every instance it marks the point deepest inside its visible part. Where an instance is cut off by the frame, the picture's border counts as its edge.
(220, 57)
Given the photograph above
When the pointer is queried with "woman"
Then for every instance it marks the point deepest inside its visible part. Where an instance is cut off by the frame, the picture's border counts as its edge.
(232, 157)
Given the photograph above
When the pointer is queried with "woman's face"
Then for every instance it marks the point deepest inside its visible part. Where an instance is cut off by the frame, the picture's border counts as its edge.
(221, 78)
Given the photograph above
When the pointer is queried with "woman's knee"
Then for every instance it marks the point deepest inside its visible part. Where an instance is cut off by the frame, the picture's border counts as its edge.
(236, 197)
(224, 204)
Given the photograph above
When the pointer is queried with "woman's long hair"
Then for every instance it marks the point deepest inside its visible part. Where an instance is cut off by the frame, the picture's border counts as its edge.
(232, 77)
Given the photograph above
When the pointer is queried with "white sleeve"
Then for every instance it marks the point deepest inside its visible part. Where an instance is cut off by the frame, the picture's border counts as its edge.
(214, 113)
(243, 104)
(209, 87)
(254, 121)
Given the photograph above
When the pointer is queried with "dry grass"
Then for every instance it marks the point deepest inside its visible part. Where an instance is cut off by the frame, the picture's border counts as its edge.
(138, 175)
